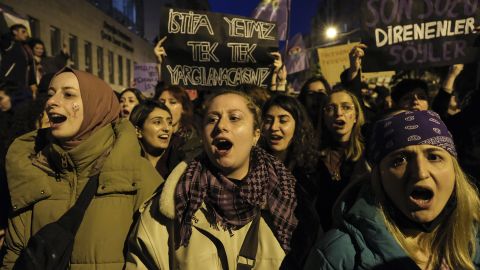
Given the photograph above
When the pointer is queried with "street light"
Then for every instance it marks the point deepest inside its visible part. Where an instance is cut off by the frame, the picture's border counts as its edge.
(331, 32)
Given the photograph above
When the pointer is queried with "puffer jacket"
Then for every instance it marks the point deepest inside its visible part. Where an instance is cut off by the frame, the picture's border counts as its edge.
(151, 246)
(362, 240)
(42, 191)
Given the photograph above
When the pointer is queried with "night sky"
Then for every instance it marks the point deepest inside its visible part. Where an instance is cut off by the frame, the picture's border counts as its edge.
(301, 15)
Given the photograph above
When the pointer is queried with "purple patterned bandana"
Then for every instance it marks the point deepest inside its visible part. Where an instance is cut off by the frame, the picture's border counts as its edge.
(405, 129)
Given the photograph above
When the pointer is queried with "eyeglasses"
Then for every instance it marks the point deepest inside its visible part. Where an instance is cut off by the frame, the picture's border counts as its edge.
(345, 107)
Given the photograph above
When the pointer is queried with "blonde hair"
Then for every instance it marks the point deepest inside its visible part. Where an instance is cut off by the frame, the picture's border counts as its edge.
(356, 146)
(454, 240)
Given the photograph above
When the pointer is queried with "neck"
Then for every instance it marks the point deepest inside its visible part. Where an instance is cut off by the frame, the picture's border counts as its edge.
(237, 174)
(342, 139)
(281, 155)
(37, 58)
(153, 155)
(153, 159)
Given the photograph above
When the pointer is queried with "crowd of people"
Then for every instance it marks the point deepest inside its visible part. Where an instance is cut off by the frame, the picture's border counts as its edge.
(337, 177)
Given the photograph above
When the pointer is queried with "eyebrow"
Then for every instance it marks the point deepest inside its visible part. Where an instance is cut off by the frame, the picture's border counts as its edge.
(430, 149)
(63, 88)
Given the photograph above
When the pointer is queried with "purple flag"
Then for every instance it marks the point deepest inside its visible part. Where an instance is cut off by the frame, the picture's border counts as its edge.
(296, 59)
(273, 11)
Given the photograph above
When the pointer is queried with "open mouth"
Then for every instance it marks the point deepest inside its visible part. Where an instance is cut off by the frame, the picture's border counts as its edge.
(163, 137)
(421, 196)
(223, 146)
(125, 112)
(56, 119)
(274, 139)
(339, 124)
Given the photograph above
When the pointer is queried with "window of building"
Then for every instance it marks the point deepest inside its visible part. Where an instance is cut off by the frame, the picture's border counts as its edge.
(34, 27)
(88, 56)
(111, 69)
(100, 72)
(129, 74)
(73, 44)
(120, 70)
(55, 40)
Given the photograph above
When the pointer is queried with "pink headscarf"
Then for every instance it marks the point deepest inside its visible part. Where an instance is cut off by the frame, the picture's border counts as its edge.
(100, 105)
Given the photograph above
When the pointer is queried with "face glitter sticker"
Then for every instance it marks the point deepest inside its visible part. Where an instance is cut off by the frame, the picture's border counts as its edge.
(75, 108)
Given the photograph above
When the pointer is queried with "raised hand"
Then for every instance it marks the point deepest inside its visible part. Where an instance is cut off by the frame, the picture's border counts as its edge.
(159, 50)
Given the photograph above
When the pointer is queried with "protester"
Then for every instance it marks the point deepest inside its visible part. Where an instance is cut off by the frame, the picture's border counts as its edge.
(313, 96)
(341, 150)
(417, 210)
(129, 98)
(153, 122)
(17, 65)
(288, 135)
(411, 94)
(6, 123)
(201, 217)
(446, 103)
(47, 170)
(43, 64)
(185, 135)
(278, 81)
(383, 101)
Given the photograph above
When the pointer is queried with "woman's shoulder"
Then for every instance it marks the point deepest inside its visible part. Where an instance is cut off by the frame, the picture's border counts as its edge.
(27, 145)
(335, 250)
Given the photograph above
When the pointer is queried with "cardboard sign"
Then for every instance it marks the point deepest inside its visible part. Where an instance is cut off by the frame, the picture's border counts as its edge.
(407, 34)
(145, 77)
(212, 50)
(333, 60)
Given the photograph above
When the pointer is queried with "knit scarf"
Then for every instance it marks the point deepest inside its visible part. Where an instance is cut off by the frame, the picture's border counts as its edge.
(233, 203)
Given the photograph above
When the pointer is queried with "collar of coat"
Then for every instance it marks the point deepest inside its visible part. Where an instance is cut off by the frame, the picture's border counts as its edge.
(167, 196)
(120, 172)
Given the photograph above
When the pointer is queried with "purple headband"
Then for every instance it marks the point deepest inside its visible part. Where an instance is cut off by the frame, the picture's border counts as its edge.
(405, 129)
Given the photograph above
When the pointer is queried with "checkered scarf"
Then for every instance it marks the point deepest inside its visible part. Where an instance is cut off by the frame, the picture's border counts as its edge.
(268, 185)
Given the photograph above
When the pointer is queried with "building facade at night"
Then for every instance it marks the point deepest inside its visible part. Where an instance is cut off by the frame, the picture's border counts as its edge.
(104, 38)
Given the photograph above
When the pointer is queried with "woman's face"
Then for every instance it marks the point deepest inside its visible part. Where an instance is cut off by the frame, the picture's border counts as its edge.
(278, 128)
(64, 106)
(38, 50)
(174, 105)
(340, 116)
(317, 86)
(128, 101)
(157, 129)
(229, 134)
(415, 100)
(5, 102)
(419, 180)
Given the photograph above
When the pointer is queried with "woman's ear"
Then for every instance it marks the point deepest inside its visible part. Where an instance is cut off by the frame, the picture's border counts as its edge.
(139, 132)
(256, 136)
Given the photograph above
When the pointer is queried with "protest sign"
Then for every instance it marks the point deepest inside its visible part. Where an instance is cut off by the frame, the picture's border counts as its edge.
(145, 78)
(333, 60)
(213, 50)
(406, 34)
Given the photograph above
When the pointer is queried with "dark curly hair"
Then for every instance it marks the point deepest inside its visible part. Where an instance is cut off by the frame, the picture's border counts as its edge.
(302, 150)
